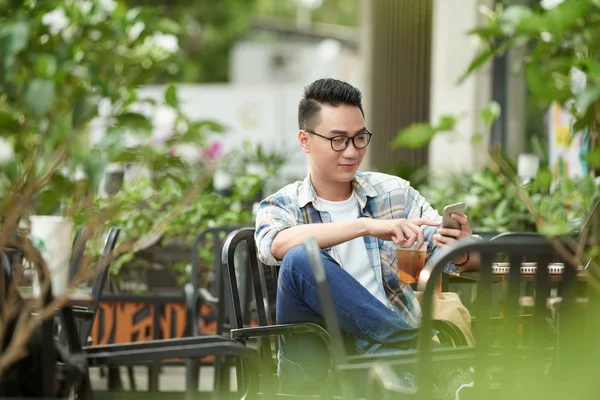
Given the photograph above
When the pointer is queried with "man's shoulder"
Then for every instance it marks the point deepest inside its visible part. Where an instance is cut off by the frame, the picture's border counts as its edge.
(382, 183)
(287, 194)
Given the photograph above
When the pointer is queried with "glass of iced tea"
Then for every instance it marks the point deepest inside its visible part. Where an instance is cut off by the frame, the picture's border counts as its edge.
(411, 261)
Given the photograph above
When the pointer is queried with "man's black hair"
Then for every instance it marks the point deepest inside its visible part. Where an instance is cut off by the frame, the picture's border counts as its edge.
(326, 91)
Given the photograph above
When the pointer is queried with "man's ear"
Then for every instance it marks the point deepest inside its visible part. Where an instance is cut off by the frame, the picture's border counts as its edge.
(303, 139)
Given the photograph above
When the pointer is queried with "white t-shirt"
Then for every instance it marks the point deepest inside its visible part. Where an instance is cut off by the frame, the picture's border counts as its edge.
(353, 254)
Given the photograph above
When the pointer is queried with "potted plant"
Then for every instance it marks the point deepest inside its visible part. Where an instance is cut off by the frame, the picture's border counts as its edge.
(560, 55)
(69, 106)
(492, 208)
(247, 170)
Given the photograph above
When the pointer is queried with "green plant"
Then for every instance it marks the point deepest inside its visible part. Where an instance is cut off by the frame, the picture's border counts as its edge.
(492, 207)
(416, 175)
(560, 52)
(69, 73)
(66, 64)
(489, 206)
(562, 61)
(207, 31)
(251, 154)
(142, 205)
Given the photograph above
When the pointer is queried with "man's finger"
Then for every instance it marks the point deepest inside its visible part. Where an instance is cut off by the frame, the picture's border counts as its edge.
(410, 235)
(455, 233)
(419, 232)
(426, 221)
(461, 219)
(443, 239)
(398, 239)
(420, 238)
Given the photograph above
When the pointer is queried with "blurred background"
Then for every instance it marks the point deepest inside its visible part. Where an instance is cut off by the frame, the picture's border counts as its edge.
(456, 102)
(244, 63)
(147, 92)
(168, 118)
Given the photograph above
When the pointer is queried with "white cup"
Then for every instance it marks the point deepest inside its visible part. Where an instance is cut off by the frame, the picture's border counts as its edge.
(528, 166)
(53, 237)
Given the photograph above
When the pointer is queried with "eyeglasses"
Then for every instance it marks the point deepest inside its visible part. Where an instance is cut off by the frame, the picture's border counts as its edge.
(340, 143)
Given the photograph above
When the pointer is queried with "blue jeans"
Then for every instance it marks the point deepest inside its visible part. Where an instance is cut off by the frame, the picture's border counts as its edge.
(369, 326)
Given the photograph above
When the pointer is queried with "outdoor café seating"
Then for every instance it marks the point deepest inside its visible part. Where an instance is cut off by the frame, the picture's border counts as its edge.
(524, 359)
(240, 259)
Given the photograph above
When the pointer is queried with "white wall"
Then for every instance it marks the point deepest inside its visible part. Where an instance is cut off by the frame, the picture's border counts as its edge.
(452, 51)
(288, 61)
(265, 114)
(260, 103)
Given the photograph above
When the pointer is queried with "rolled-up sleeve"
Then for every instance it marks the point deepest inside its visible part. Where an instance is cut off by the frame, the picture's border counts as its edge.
(272, 217)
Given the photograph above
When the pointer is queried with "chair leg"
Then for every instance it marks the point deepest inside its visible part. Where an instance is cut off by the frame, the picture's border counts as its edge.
(192, 375)
(220, 366)
(114, 378)
(84, 391)
(153, 376)
(131, 375)
(239, 374)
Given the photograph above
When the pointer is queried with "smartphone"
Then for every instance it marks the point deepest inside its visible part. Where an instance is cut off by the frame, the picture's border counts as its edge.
(447, 221)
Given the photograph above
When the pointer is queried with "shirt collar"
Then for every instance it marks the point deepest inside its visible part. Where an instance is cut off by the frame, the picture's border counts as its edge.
(307, 194)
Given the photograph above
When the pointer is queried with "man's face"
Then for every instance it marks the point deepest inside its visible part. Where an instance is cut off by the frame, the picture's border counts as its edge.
(326, 164)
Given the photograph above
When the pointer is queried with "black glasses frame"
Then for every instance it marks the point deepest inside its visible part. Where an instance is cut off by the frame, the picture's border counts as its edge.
(348, 139)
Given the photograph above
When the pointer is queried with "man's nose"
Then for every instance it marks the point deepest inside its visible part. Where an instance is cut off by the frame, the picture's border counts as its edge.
(350, 151)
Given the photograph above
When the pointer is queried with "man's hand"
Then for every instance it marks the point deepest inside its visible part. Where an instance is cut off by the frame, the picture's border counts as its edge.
(445, 236)
(404, 232)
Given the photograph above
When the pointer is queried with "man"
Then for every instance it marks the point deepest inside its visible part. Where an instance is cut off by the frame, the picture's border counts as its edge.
(358, 218)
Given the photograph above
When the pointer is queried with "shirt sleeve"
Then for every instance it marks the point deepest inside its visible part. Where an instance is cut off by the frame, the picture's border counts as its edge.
(272, 217)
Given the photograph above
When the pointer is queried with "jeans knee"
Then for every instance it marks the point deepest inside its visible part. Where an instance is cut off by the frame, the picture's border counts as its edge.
(295, 258)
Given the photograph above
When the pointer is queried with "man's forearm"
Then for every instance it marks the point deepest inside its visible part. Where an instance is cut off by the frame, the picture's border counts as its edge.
(327, 235)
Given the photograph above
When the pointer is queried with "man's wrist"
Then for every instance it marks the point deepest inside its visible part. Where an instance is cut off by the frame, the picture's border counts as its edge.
(461, 263)
(363, 226)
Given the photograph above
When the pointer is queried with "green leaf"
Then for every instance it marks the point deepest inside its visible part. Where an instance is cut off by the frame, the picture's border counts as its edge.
(515, 13)
(589, 96)
(208, 126)
(490, 114)
(446, 123)
(593, 158)
(9, 121)
(85, 109)
(11, 169)
(483, 57)
(171, 96)
(418, 135)
(15, 38)
(93, 167)
(415, 136)
(45, 66)
(544, 177)
(477, 138)
(583, 121)
(553, 229)
(60, 130)
(197, 132)
(485, 32)
(48, 202)
(39, 96)
(138, 123)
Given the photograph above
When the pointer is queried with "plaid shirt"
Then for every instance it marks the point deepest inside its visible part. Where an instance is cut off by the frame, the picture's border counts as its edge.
(380, 196)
